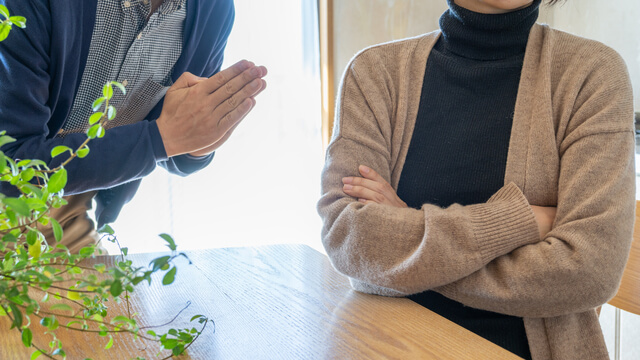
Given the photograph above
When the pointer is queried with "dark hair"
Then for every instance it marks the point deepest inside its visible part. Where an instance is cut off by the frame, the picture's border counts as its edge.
(553, 2)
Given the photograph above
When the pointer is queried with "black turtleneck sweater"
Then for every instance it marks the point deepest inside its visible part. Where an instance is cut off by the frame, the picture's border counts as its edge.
(458, 151)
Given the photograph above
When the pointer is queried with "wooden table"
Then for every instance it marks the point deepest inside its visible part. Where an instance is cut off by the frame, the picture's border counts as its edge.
(276, 302)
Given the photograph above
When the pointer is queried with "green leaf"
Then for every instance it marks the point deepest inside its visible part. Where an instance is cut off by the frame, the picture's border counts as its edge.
(120, 86)
(170, 242)
(3, 162)
(61, 307)
(36, 354)
(196, 317)
(109, 344)
(59, 150)
(87, 251)
(111, 112)
(50, 322)
(170, 276)
(6, 139)
(159, 262)
(169, 344)
(27, 174)
(4, 30)
(9, 237)
(116, 288)
(178, 350)
(106, 229)
(107, 91)
(32, 237)
(97, 104)
(30, 189)
(82, 153)
(17, 205)
(27, 337)
(59, 352)
(57, 229)
(57, 181)
(4, 11)
(125, 251)
(18, 21)
(95, 118)
(92, 132)
(17, 316)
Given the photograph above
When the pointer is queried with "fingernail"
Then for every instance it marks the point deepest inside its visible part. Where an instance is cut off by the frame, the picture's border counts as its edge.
(347, 180)
(347, 187)
(362, 200)
(364, 169)
(255, 71)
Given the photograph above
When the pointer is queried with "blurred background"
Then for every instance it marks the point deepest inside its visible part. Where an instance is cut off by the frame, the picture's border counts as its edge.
(263, 184)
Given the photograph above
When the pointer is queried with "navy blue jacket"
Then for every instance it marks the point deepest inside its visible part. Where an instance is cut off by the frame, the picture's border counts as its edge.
(40, 71)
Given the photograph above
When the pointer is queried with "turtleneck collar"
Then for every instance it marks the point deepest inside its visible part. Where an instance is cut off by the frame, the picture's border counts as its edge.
(487, 36)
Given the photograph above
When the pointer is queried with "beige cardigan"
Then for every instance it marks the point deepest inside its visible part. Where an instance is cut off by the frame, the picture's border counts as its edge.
(572, 146)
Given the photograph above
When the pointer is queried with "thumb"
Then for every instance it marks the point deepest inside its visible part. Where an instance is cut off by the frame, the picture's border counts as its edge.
(186, 80)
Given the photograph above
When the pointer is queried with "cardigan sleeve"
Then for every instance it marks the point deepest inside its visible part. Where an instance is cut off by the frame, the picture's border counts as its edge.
(395, 251)
(579, 264)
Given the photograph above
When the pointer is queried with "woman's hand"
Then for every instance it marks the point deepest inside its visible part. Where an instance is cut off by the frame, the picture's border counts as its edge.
(371, 188)
(545, 215)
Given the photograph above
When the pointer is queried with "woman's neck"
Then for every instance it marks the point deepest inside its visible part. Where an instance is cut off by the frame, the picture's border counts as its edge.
(487, 36)
(484, 7)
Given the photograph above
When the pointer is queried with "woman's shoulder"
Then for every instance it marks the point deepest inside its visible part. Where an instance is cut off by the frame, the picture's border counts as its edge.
(394, 54)
(576, 51)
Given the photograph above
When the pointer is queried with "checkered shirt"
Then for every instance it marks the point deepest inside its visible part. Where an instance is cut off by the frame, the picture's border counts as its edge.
(137, 52)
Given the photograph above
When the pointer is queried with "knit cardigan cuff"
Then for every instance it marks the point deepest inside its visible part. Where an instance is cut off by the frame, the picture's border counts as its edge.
(505, 223)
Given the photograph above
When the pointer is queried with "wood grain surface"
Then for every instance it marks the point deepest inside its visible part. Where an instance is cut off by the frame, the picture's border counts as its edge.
(274, 302)
(628, 296)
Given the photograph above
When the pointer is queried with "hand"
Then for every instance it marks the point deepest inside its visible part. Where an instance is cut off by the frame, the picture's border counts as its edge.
(200, 114)
(371, 188)
(545, 215)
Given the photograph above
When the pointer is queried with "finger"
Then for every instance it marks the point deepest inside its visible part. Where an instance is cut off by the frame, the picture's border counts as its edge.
(366, 183)
(250, 90)
(213, 147)
(236, 115)
(223, 77)
(382, 186)
(239, 88)
(360, 192)
(369, 173)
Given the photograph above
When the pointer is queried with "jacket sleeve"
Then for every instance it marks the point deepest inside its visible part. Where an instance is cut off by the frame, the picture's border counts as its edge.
(579, 264)
(395, 251)
(26, 107)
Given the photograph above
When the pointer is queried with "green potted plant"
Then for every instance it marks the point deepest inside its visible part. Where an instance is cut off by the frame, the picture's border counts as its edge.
(44, 287)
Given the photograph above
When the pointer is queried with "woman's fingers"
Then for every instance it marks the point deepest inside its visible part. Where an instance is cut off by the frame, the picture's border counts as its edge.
(363, 189)
(371, 188)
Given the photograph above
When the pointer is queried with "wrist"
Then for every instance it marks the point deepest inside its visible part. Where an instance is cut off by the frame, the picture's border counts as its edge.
(167, 145)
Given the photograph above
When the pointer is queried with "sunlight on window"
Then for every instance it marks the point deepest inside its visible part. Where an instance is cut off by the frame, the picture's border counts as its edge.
(263, 184)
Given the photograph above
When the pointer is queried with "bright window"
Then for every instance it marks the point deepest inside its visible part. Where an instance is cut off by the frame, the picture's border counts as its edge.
(263, 184)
